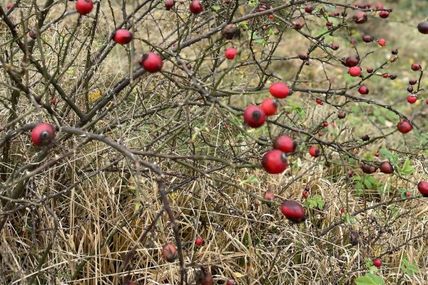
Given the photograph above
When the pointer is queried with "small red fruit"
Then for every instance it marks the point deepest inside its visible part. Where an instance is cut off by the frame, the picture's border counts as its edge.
(363, 90)
(274, 161)
(404, 126)
(42, 134)
(293, 211)
(285, 144)
(169, 4)
(377, 262)
(196, 7)
(230, 282)
(305, 194)
(151, 62)
(384, 14)
(408, 194)
(254, 116)
(369, 69)
(279, 90)
(334, 46)
(84, 7)
(413, 81)
(314, 151)
(199, 241)
(416, 67)
(230, 53)
(341, 115)
(122, 36)
(324, 124)
(354, 71)
(381, 42)
(169, 252)
(269, 106)
(386, 167)
(368, 169)
(412, 99)
(319, 101)
(423, 188)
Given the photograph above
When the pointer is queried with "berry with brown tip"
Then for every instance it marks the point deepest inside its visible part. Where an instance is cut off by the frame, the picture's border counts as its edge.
(351, 61)
(151, 62)
(384, 14)
(269, 106)
(360, 17)
(314, 151)
(42, 134)
(274, 161)
(367, 38)
(293, 211)
(416, 67)
(309, 9)
(230, 31)
(368, 169)
(254, 116)
(285, 144)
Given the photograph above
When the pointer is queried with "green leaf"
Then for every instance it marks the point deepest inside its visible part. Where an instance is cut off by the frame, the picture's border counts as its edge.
(369, 279)
(407, 168)
(315, 201)
(408, 267)
(215, 8)
(389, 155)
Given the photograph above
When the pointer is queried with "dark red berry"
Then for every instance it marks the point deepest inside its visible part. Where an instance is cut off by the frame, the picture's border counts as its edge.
(293, 211)
(360, 17)
(151, 62)
(122, 36)
(169, 252)
(367, 38)
(423, 188)
(274, 161)
(196, 7)
(363, 90)
(314, 151)
(269, 106)
(377, 262)
(351, 61)
(404, 126)
(169, 4)
(423, 27)
(416, 67)
(386, 167)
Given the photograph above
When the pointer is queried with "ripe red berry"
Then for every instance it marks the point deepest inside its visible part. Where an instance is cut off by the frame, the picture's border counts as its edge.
(351, 61)
(412, 99)
(42, 134)
(360, 17)
(404, 126)
(423, 27)
(354, 71)
(293, 211)
(254, 116)
(386, 167)
(298, 24)
(314, 151)
(122, 36)
(269, 195)
(230, 282)
(384, 14)
(151, 62)
(367, 38)
(269, 106)
(423, 188)
(279, 90)
(285, 144)
(324, 124)
(169, 252)
(416, 67)
(413, 81)
(169, 4)
(385, 75)
(377, 262)
(196, 7)
(408, 194)
(305, 194)
(274, 161)
(230, 53)
(363, 90)
(199, 241)
(381, 42)
(84, 7)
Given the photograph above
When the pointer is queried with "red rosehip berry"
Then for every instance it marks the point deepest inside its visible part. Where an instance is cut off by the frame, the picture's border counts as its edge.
(274, 161)
(42, 134)
(279, 90)
(254, 116)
